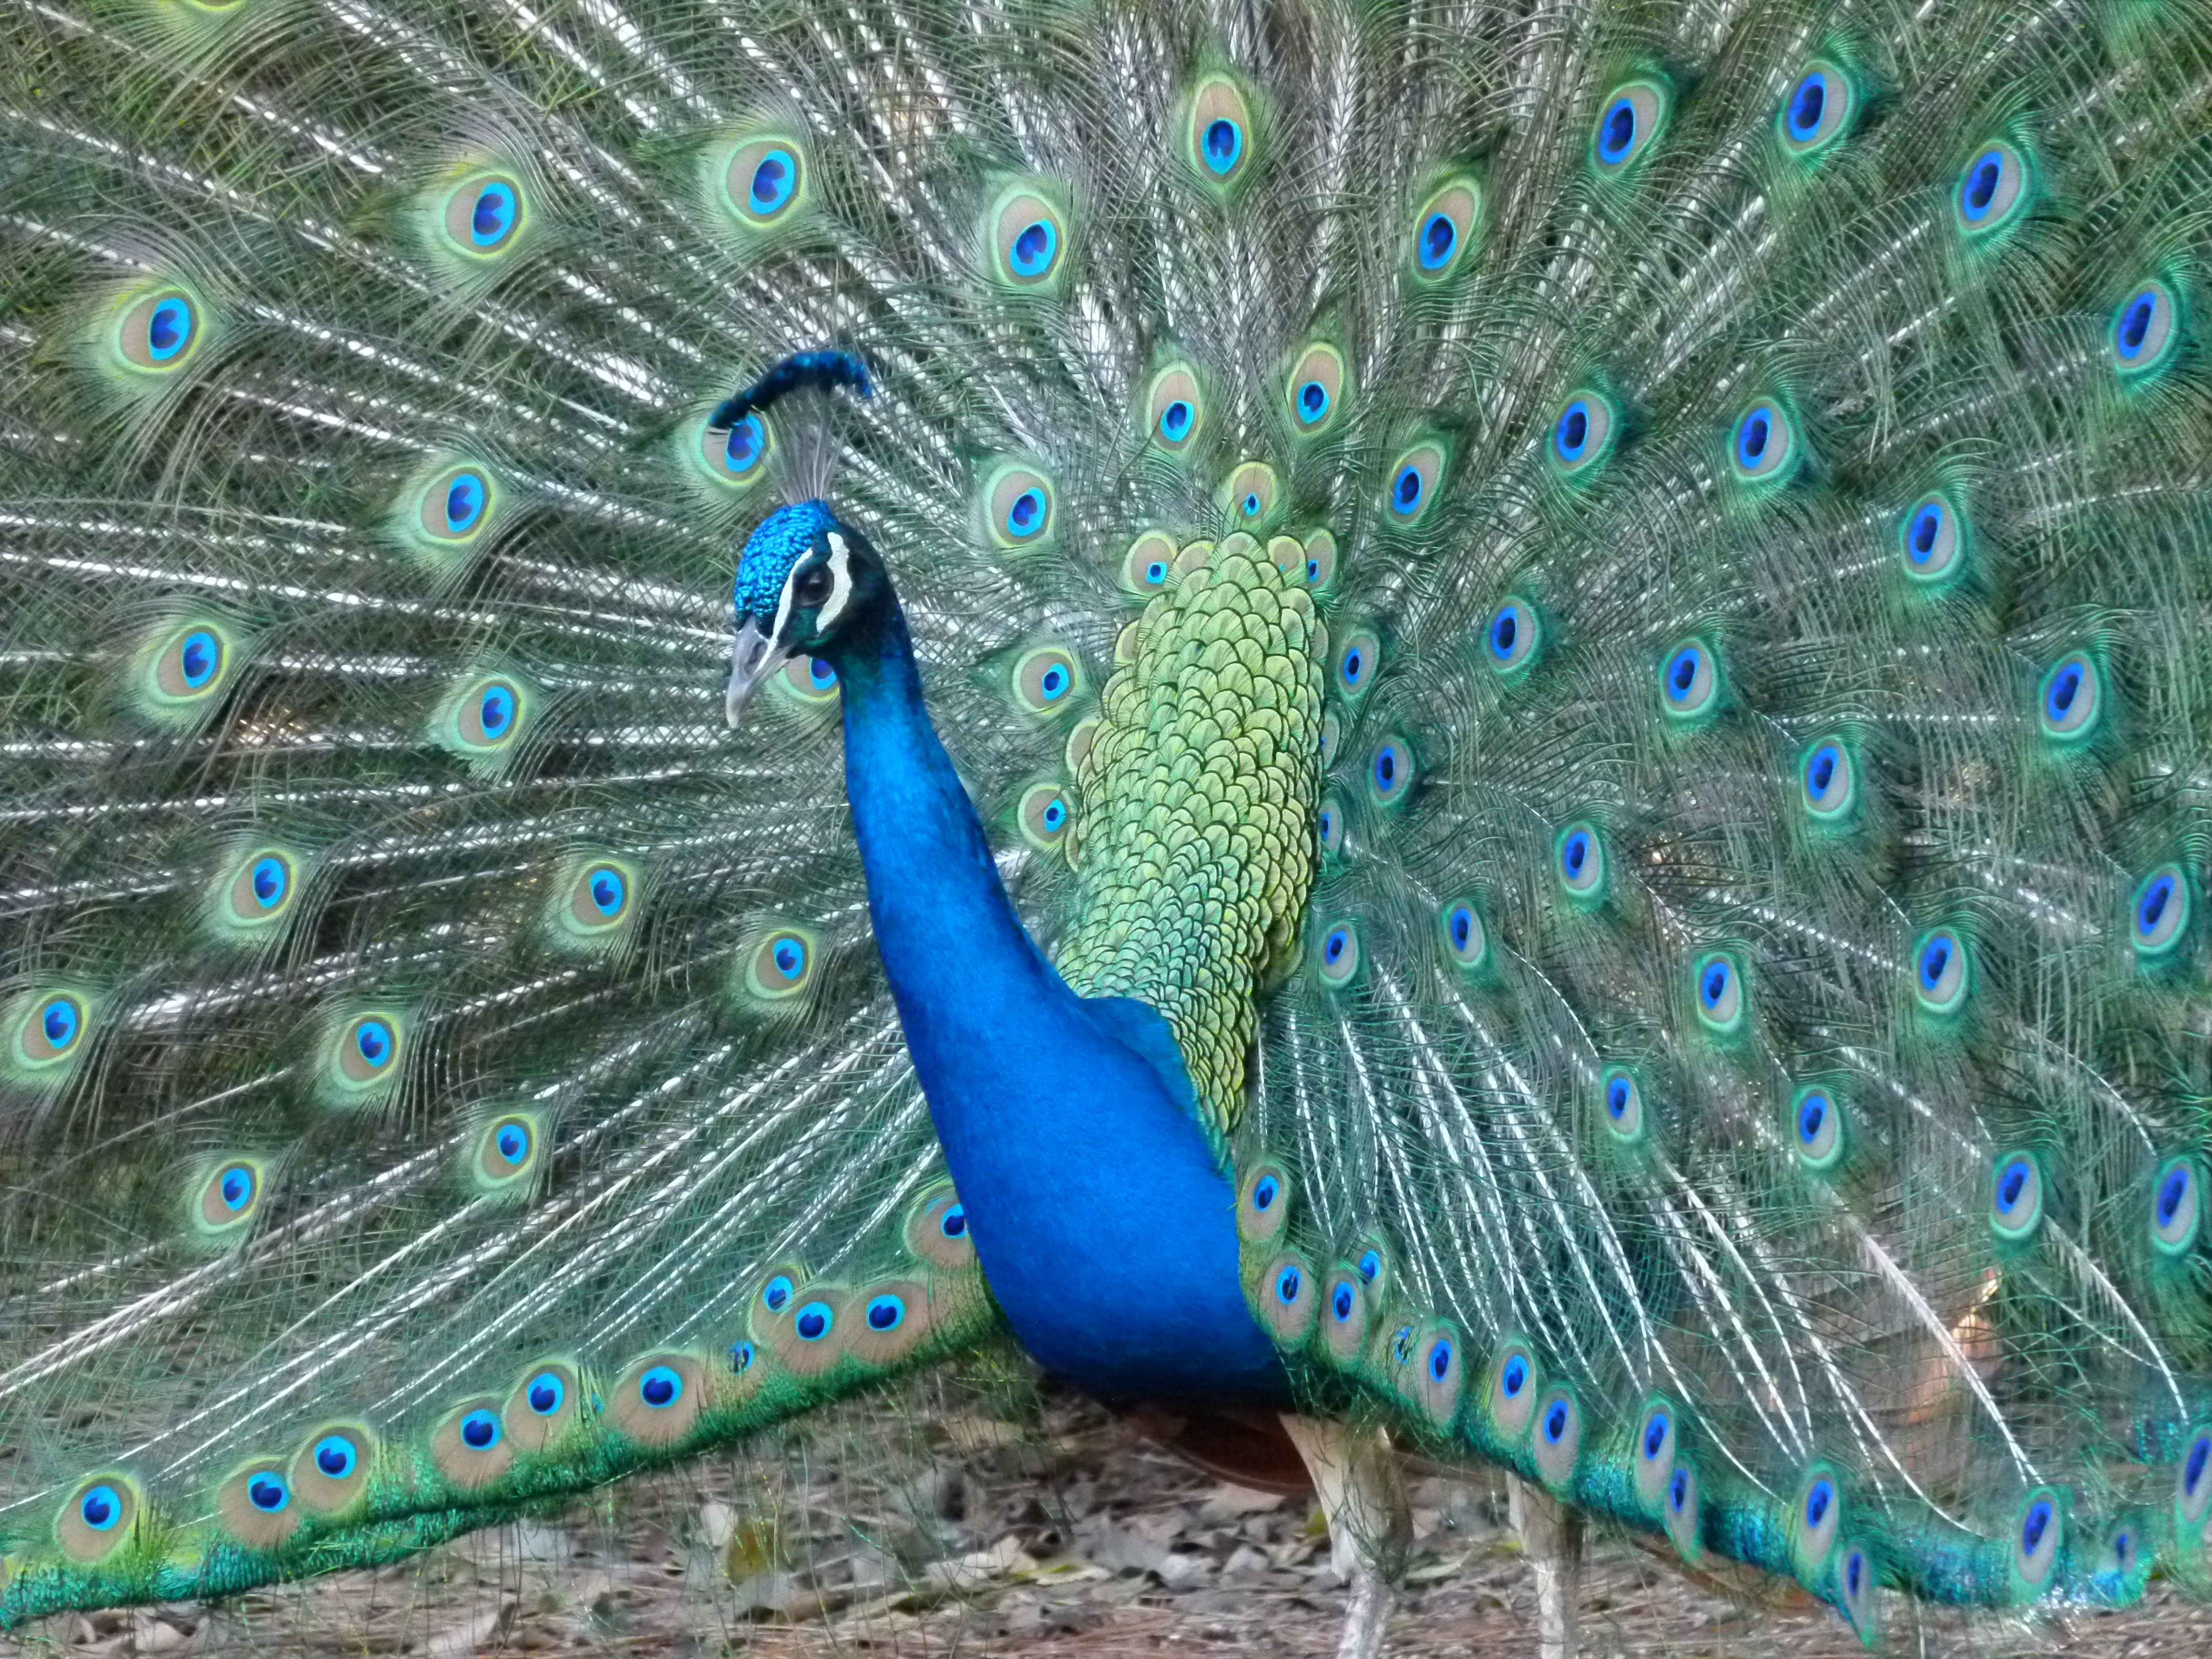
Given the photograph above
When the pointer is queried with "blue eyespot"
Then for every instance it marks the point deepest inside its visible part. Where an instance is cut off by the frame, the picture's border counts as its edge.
(512, 1142)
(545, 1394)
(1313, 402)
(1175, 421)
(1156, 573)
(1340, 1303)
(1571, 432)
(1313, 571)
(1388, 768)
(1437, 239)
(1406, 489)
(1812, 1118)
(1514, 1377)
(2143, 333)
(607, 891)
(1250, 505)
(2192, 1468)
(198, 657)
(1458, 927)
(741, 1358)
(496, 712)
(953, 1223)
(464, 503)
(1355, 663)
(1027, 514)
(1034, 247)
(2034, 1524)
(1678, 1491)
(1575, 851)
(101, 1507)
(660, 1387)
(1221, 146)
(1440, 1359)
(1265, 1192)
(1764, 442)
(480, 1430)
(2175, 1206)
(1655, 1435)
(1368, 1265)
(1616, 132)
(1992, 190)
(373, 1039)
(1939, 973)
(2161, 910)
(813, 1322)
(2072, 692)
(1618, 1095)
(335, 1456)
(235, 1187)
(886, 1313)
(1687, 680)
(492, 216)
(269, 878)
(168, 328)
(1334, 947)
(2016, 1198)
(1720, 993)
(1818, 1502)
(1805, 106)
(1830, 784)
(743, 449)
(267, 1493)
(1053, 682)
(60, 1022)
(789, 956)
(1555, 1421)
(776, 1292)
(774, 179)
(1287, 1283)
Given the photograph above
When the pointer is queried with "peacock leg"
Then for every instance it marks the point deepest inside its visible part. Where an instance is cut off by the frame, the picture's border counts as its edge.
(1551, 1539)
(1355, 1473)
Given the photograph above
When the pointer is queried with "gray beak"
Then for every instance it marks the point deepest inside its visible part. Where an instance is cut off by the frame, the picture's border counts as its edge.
(753, 658)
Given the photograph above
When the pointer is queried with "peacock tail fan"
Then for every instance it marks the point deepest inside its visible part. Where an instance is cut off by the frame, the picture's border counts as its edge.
(1695, 518)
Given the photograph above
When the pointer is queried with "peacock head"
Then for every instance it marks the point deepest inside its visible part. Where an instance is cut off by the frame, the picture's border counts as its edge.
(805, 580)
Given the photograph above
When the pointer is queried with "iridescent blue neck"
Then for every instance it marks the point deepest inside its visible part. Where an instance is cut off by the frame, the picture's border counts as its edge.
(1105, 1226)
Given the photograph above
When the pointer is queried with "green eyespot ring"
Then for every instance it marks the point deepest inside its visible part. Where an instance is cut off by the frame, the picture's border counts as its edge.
(486, 214)
(1047, 680)
(762, 181)
(1249, 496)
(1029, 239)
(782, 964)
(1444, 228)
(157, 330)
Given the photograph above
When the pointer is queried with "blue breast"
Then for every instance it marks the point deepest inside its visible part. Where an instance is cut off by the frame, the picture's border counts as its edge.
(1104, 1224)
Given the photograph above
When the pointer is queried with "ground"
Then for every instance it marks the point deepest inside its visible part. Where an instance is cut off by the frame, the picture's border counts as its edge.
(959, 1522)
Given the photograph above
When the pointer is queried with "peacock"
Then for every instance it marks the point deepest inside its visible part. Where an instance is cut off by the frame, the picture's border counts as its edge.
(1433, 728)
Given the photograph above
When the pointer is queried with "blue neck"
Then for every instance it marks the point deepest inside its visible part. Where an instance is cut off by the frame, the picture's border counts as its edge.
(1104, 1224)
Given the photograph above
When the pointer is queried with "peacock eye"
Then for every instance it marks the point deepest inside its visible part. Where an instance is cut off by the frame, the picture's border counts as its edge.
(813, 586)
(1992, 190)
(2143, 333)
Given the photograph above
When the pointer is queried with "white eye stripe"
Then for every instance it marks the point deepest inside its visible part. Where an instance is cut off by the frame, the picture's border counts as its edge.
(841, 581)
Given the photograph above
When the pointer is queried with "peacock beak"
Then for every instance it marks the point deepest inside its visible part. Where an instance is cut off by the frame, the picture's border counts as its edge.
(753, 658)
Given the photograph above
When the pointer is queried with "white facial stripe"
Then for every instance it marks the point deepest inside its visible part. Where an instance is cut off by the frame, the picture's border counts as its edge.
(783, 606)
(841, 582)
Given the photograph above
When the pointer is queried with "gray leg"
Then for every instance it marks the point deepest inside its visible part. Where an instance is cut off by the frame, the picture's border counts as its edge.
(1551, 1539)
(1356, 1474)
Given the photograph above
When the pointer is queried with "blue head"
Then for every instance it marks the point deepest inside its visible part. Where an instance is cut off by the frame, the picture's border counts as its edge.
(805, 581)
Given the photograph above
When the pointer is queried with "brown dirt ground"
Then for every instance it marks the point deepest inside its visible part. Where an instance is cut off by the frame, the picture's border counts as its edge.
(953, 1523)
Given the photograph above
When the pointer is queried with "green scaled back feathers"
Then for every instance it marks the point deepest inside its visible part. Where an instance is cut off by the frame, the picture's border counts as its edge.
(1685, 529)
